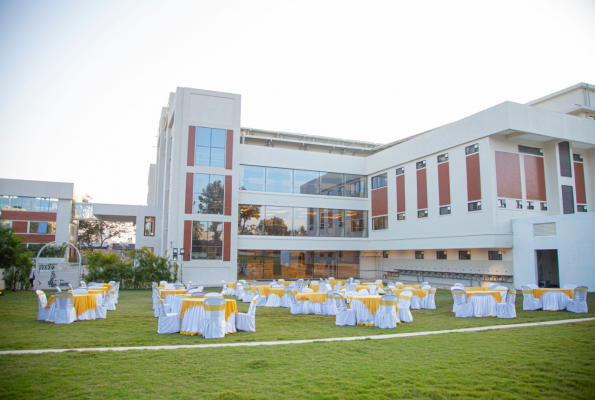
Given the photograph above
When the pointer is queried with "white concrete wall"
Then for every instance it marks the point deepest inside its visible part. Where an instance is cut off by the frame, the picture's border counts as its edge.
(574, 242)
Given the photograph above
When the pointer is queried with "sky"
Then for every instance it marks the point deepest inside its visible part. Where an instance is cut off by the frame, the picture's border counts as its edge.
(83, 82)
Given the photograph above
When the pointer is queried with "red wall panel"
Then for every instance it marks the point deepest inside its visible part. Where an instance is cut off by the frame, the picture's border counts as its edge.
(379, 202)
(28, 216)
(19, 226)
(444, 184)
(534, 178)
(473, 178)
(187, 239)
(37, 238)
(226, 241)
(229, 150)
(191, 145)
(579, 183)
(401, 193)
(227, 201)
(508, 175)
(189, 192)
(422, 189)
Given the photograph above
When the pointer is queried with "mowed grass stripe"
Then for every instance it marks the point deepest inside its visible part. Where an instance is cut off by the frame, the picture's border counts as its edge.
(555, 361)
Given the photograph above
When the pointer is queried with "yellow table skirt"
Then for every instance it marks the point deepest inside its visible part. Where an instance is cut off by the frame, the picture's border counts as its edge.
(407, 285)
(166, 292)
(82, 302)
(478, 289)
(311, 297)
(421, 293)
(372, 303)
(537, 293)
(494, 294)
(335, 281)
(232, 285)
(231, 306)
(103, 291)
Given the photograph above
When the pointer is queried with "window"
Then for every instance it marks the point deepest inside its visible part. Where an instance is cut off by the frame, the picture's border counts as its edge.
(464, 255)
(581, 208)
(564, 154)
(474, 148)
(401, 217)
(305, 221)
(149, 226)
(494, 255)
(379, 223)
(379, 181)
(209, 191)
(519, 204)
(306, 182)
(501, 203)
(42, 227)
(441, 255)
(250, 220)
(210, 147)
(419, 255)
(331, 184)
(445, 210)
(279, 180)
(546, 229)
(543, 206)
(422, 213)
(474, 206)
(21, 203)
(278, 221)
(331, 222)
(5, 224)
(400, 171)
(385, 254)
(592, 117)
(577, 157)
(420, 164)
(252, 178)
(207, 240)
(530, 205)
(355, 223)
(530, 150)
(355, 185)
(442, 158)
(567, 199)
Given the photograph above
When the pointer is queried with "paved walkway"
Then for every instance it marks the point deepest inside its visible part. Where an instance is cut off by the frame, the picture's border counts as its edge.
(278, 343)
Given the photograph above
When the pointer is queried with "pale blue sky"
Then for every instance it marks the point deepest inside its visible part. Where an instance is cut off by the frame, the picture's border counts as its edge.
(83, 82)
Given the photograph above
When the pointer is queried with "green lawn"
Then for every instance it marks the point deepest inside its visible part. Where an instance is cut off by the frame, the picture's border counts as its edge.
(538, 362)
(133, 324)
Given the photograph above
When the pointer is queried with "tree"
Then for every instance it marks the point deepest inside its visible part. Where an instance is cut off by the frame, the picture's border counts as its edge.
(91, 232)
(15, 259)
(247, 213)
(211, 199)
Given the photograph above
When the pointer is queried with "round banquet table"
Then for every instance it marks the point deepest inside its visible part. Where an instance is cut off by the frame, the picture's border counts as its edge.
(192, 314)
(83, 303)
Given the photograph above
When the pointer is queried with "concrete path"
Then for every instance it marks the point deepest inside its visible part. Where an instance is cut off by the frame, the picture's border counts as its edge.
(278, 343)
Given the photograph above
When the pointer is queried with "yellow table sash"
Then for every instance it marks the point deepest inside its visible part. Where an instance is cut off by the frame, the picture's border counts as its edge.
(537, 293)
(372, 303)
(421, 293)
(403, 297)
(214, 307)
(166, 292)
(231, 306)
(388, 303)
(495, 294)
(311, 297)
(407, 285)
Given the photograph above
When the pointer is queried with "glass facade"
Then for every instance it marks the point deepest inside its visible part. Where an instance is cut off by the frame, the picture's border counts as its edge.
(20, 203)
(301, 221)
(207, 240)
(209, 192)
(283, 180)
(286, 264)
(48, 228)
(210, 147)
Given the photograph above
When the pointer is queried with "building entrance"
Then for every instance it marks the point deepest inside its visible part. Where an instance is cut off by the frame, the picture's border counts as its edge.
(547, 268)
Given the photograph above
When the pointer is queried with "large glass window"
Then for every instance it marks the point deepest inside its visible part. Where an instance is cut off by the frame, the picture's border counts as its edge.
(250, 219)
(210, 147)
(207, 240)
(355, 185)
(306, 182)
(149, 226)
(356, 223)
(300, 221)
(209, 193)
(42, 227)
(331, 223)
(278, 221)
(250, 263)
(279, 180)
(379, 181)
(252, 178)
(331, 184)
(22, 203)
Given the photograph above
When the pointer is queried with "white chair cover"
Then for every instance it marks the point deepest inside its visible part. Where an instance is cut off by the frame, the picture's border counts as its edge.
(215, 326)
(239, 290)
(273, 301)
(42, 313)
(363, 292)
(247, 297)
(464, 289)
(65, 312)
(386, 317)
(462, 307)
(338, 286)
(484, 305)
(503, 292)
(111, 300)
(431, 299)
(345, 316)
(372, 289)
(578, 304)
(168, 322)
(247, 322)
(508, 309)
(101, 310)
(329, 307)
(363, 316)
(530, 302)
(491, 285)
(403, 305)
(296, 308)
(285, 300)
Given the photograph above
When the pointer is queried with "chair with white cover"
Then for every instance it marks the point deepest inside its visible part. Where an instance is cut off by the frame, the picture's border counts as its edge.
(350, 288)
(323, 287)
(431, 299)
(462, 308)
(454, 304)
(530, 302)
(460, 285)
(168, 322)
(345, 316)
(215, 325)
(111, 300)
(80, 290)
(295, 307)
(228, 291)
(307, 290)
(285, 300)
(423, 284)
(508, 309)
(101, 310)
(247, 322)
(372, 289)
(273, 301)
(363, 292)
(484, 305)
(213, 294)
(329, 307)
(503, 292)
(239, 290)
(65, 312)
(247, 298)
(58, 289)
(42, 301)
(82, 284)
(338, 286)
(386, 317)
(578, 304)
(569, 286)
(403, 305)
(262, 300)
(423, 302)
(491, 285)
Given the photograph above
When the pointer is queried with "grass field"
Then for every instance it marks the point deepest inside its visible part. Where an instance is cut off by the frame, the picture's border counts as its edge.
(539, 362)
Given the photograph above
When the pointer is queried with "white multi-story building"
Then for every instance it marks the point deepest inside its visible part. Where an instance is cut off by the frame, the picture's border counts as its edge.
(501, 195)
